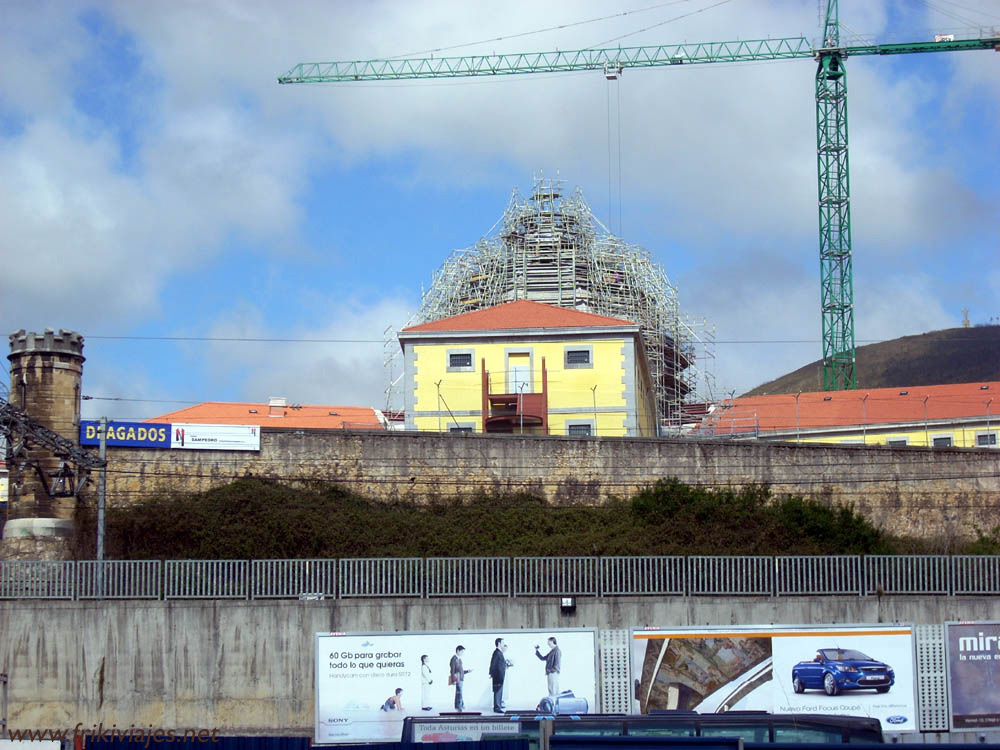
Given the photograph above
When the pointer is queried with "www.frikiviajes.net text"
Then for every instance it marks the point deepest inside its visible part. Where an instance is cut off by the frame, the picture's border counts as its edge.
(99, 733)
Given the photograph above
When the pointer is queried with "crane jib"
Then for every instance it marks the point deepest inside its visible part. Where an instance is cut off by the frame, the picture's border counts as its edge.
(598, 59)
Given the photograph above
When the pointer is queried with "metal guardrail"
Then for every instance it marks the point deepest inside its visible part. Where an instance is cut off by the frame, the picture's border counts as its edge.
(555, 576)
(730, 576)
(643, 576)
(821, 575)
(293, 579)
(975, 574)
(118, 579)
(415, 577)
(205, 579)
(381, 576)
(907, 574)
(468, 576)
(37, 579)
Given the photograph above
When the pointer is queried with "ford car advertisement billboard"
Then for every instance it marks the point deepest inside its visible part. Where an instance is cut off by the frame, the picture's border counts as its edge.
(852, 670)
(367, 684)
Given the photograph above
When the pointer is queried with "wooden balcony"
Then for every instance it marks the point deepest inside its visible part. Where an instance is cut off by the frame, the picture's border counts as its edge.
(510, 412)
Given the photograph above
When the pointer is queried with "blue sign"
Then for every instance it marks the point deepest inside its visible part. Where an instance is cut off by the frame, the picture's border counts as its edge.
(126, 434)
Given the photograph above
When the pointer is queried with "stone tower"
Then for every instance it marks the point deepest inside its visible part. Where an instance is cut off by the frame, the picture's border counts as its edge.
(45, 373)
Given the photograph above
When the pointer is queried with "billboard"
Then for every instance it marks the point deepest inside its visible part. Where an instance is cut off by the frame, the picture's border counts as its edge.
(367, 683)
(851, 670)
(217, 437)
(973, 654)
(126, 434)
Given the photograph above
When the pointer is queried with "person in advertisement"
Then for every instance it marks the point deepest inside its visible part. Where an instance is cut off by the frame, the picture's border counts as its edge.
(425, 684)
(456, 676)
(498, 673)
(394, 702)
(553, 663)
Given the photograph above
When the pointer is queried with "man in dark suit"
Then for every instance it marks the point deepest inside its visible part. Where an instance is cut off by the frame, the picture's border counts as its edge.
(498, 672)
(457, 676)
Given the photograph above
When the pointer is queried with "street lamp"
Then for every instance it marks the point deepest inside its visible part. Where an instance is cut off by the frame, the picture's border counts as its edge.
(927, 439)
(864, 419)
(520, 403)
(438, 384)
(797, 438)
(594, 392)
(989, 434)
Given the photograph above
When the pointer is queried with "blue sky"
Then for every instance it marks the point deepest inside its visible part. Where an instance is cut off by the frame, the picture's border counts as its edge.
(158, 182)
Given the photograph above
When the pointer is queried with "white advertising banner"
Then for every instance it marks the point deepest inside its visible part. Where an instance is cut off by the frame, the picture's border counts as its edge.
(367, 683)
(851, 670)
(215, 437)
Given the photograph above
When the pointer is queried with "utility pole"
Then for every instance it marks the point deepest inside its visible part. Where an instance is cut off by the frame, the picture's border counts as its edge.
(438, 384)
(520, 404)
(102, 483)
(797, 436)
(594, 391)
(989, 435)
(864, 419)
(3, 706)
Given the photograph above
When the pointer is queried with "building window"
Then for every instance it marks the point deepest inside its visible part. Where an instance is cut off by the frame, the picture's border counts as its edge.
(460, 428)
(519, 376)
(460, 360)
(580, 429)
(897, 442)
(986, 440)
(944, 441)
(578, 357)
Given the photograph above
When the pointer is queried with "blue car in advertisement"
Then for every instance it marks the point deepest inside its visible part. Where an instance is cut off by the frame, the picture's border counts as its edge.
(837, 669)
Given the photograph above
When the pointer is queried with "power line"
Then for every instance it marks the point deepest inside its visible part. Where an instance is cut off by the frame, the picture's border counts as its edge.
(288, 340)
(142, 400)
(238, 339)
(558, 27)
(656, 25)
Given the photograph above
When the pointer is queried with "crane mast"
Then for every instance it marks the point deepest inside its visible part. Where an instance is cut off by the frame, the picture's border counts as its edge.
(834, 197)
(836, 274)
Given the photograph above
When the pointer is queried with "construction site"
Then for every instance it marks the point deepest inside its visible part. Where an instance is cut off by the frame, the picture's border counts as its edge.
(550, 248)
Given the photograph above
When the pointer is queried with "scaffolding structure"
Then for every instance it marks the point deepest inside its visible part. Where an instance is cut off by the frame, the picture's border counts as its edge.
(550, 248)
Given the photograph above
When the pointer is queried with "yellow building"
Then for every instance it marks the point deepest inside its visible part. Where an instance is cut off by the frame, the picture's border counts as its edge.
(525, 367)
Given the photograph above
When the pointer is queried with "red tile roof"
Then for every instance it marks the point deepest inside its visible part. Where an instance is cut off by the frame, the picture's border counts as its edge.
(864, 406)
(520, 314)
(303, 416)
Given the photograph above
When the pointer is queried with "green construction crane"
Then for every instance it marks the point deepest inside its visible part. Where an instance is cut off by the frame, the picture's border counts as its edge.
(836, 277)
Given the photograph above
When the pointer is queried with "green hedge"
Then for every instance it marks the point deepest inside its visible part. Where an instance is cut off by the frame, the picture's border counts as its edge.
(254, 518)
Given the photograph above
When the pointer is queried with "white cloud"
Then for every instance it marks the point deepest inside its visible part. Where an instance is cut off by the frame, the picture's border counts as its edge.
(878, 313)
(350, 371)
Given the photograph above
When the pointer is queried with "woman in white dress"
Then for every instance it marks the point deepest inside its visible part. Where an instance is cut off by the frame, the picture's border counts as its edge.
(425, 684)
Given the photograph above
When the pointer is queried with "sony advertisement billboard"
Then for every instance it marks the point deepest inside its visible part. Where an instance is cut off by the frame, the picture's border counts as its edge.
(367, 683)
(850, 670)
(973, 654)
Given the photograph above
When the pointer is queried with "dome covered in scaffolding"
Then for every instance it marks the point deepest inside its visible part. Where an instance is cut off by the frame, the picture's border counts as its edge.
(550, 248)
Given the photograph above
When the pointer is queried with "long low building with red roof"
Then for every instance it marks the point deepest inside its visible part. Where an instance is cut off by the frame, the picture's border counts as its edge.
(277, 412)
(965, 415)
